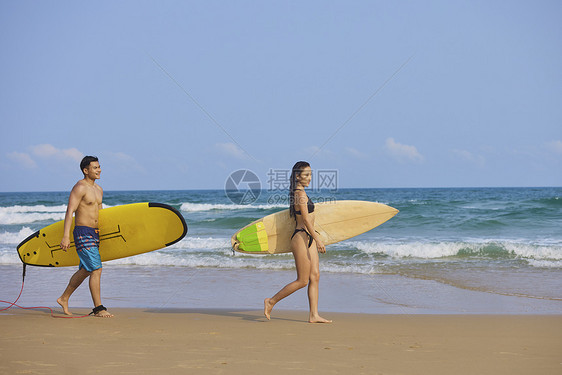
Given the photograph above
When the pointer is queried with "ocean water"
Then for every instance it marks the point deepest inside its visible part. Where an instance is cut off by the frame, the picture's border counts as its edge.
(462, 242)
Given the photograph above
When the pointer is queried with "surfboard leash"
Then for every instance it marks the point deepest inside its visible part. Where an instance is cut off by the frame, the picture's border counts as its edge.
(12, 304)
(21, 291)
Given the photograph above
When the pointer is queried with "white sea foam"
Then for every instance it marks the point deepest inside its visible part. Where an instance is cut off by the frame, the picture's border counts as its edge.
(218, 260)
(535, 252)
(345, 257)
(12, 215)
(37, 208)
(29, 214)
(411, 249)
(364, 269)
(195, 207)
(198, 243)
(429, 250)
(12, 238)
(9, 256)
(545, 263)
(28, 218)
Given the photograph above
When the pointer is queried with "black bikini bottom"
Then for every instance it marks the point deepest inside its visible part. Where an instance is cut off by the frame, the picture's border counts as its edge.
(310, 239)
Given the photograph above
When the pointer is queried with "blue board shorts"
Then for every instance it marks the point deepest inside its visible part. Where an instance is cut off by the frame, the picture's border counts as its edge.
(87, 242)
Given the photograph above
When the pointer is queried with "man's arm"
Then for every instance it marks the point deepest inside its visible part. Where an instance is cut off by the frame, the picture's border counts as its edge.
(100, 206)
(74, 200)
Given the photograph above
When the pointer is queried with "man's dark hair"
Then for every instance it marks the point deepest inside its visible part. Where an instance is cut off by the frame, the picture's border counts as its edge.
(85, 163)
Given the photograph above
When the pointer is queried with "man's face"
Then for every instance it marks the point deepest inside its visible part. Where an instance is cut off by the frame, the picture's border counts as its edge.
(93, 171)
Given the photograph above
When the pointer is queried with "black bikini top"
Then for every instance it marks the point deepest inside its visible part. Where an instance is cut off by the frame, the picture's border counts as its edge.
(310, 207)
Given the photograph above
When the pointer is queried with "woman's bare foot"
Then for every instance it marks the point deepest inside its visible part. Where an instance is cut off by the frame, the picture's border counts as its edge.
(64, 304)
(103, 314)
(267, 307)
(318, 319)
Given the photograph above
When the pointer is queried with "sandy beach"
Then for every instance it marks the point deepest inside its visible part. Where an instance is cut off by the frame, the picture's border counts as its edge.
(214, 341)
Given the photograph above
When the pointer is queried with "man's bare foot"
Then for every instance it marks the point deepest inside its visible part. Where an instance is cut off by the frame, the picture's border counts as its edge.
(318, 319)
(103, 314)
(64, 304)
(267, 307)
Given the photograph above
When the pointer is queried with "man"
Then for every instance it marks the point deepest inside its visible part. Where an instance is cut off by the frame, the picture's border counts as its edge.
(85, 202)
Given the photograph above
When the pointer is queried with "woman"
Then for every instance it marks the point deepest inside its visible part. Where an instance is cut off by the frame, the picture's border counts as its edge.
(305, 245)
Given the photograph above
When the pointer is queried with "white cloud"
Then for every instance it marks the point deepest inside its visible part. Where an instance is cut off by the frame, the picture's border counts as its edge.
(317, 152)
(402, 152)
(356, 153)
(23, 159)
(44, 150)
(50, 151)
(469, 156)
(555, 146)
(313, 150)
(45, 153)
(232, 150)
(73, 154)
(121, 156)
(122, 161)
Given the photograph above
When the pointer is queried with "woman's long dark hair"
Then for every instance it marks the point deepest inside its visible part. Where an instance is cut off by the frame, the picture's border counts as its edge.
(297, 169)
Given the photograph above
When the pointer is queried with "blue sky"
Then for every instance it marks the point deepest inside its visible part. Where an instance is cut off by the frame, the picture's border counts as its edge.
(179, 94)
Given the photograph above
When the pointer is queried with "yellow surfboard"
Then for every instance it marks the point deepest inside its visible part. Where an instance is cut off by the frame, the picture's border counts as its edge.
(124, 231)
(334, 221)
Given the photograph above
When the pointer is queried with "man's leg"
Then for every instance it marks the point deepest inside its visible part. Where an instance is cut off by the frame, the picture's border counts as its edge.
(95, 290)
(75, 281)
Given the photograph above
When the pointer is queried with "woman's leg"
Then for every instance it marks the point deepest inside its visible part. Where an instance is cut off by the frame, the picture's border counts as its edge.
(302, 262)
(313, 286)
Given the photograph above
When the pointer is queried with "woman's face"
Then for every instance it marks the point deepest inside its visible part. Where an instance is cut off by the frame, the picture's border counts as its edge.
(305, 176)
